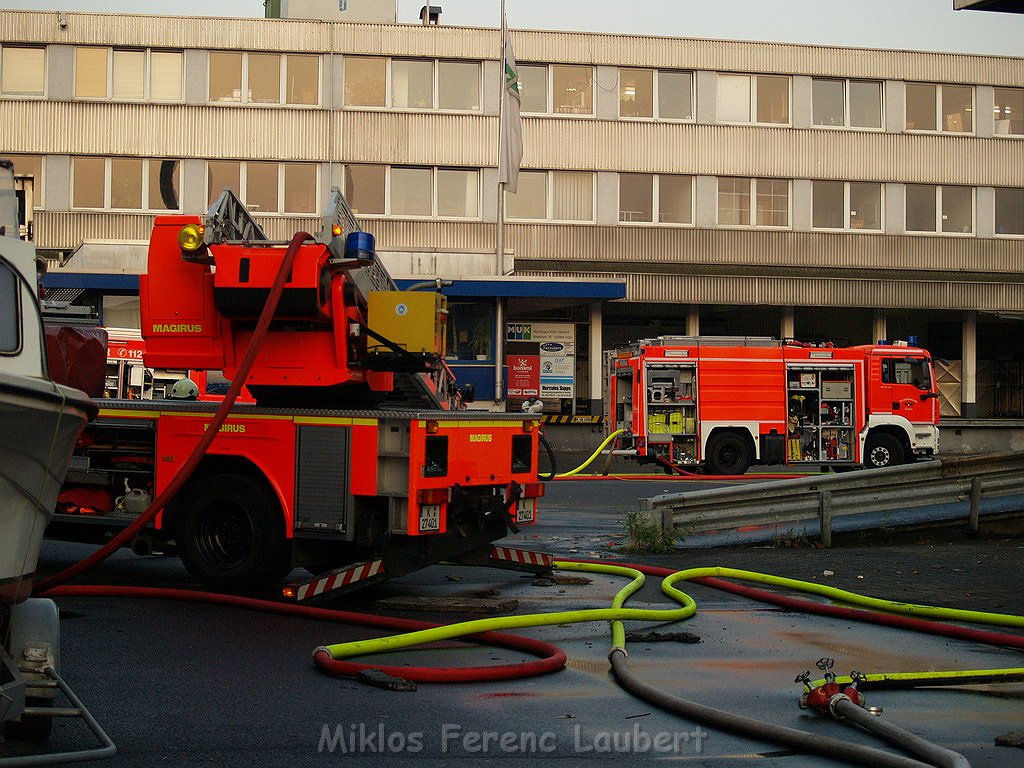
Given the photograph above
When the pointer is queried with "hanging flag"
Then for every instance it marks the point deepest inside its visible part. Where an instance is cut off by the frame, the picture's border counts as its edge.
(510, 149)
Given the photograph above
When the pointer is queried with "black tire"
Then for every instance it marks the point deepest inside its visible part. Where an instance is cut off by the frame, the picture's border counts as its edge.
(231, 534)
(882, 450)
(728, 454)
(34, 730)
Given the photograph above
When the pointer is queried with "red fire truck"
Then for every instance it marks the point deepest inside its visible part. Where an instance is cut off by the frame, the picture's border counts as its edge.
(726, 403)
(354, 461)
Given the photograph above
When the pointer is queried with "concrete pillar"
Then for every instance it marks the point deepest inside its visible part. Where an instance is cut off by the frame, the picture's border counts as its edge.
(693, 320)
(596, 359)
(969, 367)
(787, 328)
(879, 326)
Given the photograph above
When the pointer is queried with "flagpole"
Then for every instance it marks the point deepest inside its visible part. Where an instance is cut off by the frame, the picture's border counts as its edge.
(500, 246)
(501, 119)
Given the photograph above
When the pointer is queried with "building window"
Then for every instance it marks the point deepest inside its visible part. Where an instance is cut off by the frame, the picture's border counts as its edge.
(753, 99)
(128, 74)
(378, 190)
(265, 187)
(1009, 111)
(412, 84)
(458, 85)
(533, 88)
(365, 189)
(846, 205)
(264, 78)
(552, 196)
(927, 205)
(22, 71)
(372, 81)
(847, 103)
(531, 198)
(655, 94)
(572, 89)
(767, 198)
(29, 165)
(944, 108)
(125, 184)
(641, 194)
(458, 193)
(1009, 211)
(365, 81)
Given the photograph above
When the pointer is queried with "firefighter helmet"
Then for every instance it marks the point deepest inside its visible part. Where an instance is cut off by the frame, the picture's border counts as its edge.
(184, 389)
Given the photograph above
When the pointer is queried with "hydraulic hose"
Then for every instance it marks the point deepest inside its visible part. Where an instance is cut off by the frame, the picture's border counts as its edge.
(186, 469)
(804, 741)
(844, 709)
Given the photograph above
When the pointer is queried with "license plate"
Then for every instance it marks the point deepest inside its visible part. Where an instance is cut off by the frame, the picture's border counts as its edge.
(525, 511)
(430, 517)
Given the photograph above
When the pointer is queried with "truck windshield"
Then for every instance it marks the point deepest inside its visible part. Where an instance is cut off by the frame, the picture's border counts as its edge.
(907, 370)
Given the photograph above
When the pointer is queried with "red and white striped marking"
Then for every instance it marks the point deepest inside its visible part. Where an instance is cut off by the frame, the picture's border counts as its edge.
(339, 579)
(521, 556)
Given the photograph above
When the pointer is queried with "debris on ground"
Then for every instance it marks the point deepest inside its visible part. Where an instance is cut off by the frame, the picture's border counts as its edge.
(379, 679)
(662, 637)
(1011, 739)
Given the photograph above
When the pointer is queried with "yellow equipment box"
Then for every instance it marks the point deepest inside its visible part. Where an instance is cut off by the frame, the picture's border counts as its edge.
(414, 320)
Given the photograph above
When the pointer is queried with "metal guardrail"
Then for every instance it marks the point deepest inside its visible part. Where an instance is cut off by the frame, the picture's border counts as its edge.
(944, 489)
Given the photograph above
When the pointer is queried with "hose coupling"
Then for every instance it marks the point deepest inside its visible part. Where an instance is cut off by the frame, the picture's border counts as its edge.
(618, 649)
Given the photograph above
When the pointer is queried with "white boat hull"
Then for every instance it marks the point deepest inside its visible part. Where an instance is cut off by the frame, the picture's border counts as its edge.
(39, 424)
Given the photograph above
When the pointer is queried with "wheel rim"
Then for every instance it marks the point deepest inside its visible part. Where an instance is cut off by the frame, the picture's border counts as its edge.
(880, 456)
(728, 455)
(224, 536)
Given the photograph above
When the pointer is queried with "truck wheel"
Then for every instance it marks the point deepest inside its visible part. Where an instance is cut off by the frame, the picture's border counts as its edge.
(728, 454)
(882, 450)
(230, 533)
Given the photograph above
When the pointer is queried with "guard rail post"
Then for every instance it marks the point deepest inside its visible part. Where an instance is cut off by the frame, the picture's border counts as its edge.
(825, 515)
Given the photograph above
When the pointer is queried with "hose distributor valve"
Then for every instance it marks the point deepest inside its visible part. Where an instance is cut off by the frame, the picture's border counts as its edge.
(823, 698)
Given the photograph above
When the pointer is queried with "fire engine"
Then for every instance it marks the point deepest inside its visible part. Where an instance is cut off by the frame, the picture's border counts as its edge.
(357, 458)
(725, 403)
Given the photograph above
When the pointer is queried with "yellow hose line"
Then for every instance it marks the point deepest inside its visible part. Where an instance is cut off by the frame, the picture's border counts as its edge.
(593, 456)
(964, 676)
(617, 613)
(852, 598)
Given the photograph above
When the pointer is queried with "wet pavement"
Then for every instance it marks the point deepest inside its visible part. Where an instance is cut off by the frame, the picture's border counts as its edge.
(183, 685)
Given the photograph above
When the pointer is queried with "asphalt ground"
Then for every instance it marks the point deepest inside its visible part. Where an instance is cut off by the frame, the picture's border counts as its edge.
(188, 685)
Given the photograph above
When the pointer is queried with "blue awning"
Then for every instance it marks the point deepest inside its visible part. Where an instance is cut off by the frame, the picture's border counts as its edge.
(530, 288)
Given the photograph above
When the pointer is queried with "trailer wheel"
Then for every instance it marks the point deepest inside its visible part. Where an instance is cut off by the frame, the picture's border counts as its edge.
(882, 450)
(728, 454)
(230, 533)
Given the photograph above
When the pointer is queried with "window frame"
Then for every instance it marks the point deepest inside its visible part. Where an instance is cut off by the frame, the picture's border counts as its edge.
(847, 205)
(435, 81)
(1011, 121)
(145, 180)
(656, 201)
(995, 213)
(243, 183)
(389, 211)
(752, 92)
(549, 94)
(147, 75)
(282, 82)
(655, 115)
(752, 207)
(549, 182)
(938, 110)
(42, 94)
(847, 124)
(939, 194)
